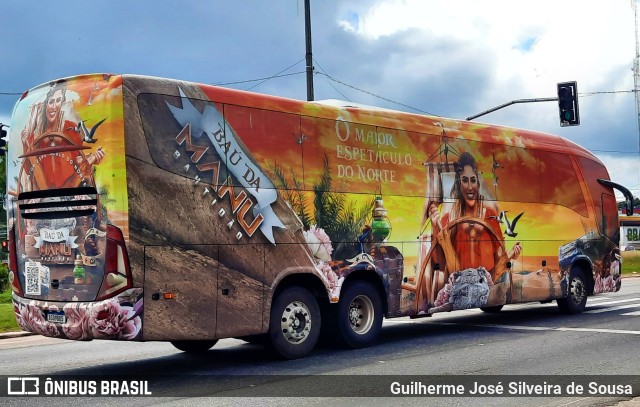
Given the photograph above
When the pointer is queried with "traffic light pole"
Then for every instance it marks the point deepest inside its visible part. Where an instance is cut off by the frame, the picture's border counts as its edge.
(513, 102)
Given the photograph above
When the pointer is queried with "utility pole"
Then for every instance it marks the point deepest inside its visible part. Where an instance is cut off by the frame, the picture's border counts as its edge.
(309, 55)
(636, 70)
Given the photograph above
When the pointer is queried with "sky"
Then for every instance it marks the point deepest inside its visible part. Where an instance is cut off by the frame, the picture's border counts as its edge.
(451, 58)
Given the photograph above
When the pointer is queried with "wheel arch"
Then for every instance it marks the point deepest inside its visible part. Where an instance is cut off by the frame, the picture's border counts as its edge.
(300, 278)
(587, 269)
(374, 279)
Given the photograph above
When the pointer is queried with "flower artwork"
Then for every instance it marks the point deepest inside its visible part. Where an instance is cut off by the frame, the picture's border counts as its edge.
(115, 318)
(319, 243)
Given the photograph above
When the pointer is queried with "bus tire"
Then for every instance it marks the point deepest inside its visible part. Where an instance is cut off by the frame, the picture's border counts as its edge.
(194, 346)
(493, 309)
(359, 315)
(294, 324)
(576, 299)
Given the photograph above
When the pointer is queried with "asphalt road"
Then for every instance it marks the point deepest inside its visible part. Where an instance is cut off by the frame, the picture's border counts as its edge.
(528, 343)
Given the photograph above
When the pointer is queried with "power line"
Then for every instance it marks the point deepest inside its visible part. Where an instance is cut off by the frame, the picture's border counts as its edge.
(375, 95)
(271, 77)
(606, 92)
(331, 84)
(258, 79)
(612, 151)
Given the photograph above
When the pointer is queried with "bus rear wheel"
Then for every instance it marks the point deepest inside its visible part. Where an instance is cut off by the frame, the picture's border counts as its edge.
(194, 346)
(294, 324)
(359, 318)
(576, 299)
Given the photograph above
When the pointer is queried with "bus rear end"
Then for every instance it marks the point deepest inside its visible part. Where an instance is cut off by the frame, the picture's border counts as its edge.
(67, 212)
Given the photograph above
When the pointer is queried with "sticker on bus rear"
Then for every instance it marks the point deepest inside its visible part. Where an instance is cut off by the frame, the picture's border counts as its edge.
(32, 277)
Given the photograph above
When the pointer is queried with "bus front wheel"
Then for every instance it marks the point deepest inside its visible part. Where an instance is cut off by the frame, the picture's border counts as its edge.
(294, 323)
(194, 346)
(359, 318)
(576, 299)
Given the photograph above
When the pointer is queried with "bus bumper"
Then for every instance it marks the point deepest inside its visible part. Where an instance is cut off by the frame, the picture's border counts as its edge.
(117, 318)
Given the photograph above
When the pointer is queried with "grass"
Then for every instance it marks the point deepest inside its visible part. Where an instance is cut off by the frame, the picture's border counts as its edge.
(8, 319)
(631, 263)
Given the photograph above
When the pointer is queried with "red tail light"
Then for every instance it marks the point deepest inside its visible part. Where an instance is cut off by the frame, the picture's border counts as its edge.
(117, 274)
(13, 264)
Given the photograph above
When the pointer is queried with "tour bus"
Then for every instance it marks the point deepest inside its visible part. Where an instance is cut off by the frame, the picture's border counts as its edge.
(150, 209)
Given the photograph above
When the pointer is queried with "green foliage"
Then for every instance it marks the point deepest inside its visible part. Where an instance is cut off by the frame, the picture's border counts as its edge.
(4, 277)
(340, 218)
(636, 203)
(293, 194)
(5, 297)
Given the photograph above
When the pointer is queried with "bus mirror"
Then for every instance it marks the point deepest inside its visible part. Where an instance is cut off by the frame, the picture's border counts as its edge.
(628, 197)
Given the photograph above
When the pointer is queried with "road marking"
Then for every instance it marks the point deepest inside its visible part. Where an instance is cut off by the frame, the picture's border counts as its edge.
(632, 314)
(599, 311)
(616, 301)
(598, 298)
(544, 328)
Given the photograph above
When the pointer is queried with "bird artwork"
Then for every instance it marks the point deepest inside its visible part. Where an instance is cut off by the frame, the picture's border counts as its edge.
(511, 226)
(88, 134)
(496, 164)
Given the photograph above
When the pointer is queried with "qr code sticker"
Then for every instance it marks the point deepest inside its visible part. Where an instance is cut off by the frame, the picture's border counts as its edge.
(32, 277)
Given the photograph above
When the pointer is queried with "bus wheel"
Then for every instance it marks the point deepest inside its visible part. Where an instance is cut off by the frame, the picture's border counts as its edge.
(295, 323)
(576, 299)
(492, 310)
(194, 346)
(359, 315)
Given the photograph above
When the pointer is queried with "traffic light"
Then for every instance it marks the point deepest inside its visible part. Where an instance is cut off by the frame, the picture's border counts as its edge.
(568, 104)
(3, 139)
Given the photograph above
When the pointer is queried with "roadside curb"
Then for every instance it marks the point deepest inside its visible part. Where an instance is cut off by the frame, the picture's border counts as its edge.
(18, 334)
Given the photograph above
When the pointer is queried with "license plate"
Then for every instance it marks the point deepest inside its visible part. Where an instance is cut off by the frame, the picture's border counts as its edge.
(56, 317)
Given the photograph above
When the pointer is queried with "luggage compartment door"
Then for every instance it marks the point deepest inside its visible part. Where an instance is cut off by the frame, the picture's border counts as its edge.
(192, 279)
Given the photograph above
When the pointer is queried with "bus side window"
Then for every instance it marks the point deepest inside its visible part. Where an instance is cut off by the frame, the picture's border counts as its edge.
(515, 174)
(340, 155)
(559, 183)
(407, 159)
(273, 142)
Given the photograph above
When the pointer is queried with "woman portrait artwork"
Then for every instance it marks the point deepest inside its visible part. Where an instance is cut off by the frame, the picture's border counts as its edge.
(53, 143)
(467, 235)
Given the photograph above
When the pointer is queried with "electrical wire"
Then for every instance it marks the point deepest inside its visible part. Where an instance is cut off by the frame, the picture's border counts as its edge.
(331, 84)
(274, 76)
(376, 95)
(258, 79)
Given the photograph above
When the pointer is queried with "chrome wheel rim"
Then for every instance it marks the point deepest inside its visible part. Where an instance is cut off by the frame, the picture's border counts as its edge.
(295, 322)
(577, 290)
(361, 314)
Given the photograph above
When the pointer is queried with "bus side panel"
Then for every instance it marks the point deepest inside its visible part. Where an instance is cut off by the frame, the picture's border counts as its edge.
(180, 293)
(605, 254)
(185, 191)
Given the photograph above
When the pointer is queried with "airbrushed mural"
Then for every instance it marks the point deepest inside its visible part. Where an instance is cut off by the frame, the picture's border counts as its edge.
(461, 216)
(70, 159)
(217, 201)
